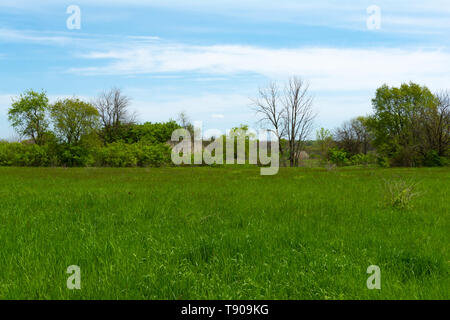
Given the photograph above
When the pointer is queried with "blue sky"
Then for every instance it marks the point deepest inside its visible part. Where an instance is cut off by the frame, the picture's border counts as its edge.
(208, 58)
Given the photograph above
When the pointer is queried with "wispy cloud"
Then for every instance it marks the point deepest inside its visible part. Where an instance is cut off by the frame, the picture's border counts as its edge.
(78, 39)
(327, 68)
(10, 35)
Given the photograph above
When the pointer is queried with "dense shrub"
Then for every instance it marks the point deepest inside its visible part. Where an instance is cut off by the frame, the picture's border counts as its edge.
(21, 155)
(341, 158)
(153, 155)
(116, 154)
(120, 154)
(432, 159)
(360, 159)
(383, 162)
(75, 156)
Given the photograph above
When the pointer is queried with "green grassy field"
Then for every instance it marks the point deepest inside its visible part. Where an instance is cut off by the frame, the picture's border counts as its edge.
(221, 233)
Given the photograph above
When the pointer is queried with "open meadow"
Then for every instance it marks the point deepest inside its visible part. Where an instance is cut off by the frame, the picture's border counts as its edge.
(222, 233)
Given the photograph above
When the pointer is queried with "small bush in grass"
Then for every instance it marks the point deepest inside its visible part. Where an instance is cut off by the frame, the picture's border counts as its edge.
(338, 157)
(399, 194)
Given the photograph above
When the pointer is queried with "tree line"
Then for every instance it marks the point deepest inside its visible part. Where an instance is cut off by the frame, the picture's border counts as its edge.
(72, 132)
(409, 126)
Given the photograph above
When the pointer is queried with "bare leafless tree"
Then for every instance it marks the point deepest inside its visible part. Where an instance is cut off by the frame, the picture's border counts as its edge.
(185, 122)
(268, 106)
(298, 116)
(434, 126)
(443, 122)
(113, 108)
(353, 136)
(183, 119)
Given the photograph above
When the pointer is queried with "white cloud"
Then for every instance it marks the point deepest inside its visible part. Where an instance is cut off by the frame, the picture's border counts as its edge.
(325, 68)
(217, 116)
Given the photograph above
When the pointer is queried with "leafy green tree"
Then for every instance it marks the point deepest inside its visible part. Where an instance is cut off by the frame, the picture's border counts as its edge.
(396, 121)
(28, 115)
(241, 136)
(73, 119)
(324, 140)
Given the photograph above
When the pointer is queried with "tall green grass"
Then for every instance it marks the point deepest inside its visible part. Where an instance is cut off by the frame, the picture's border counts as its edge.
(221, 233)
